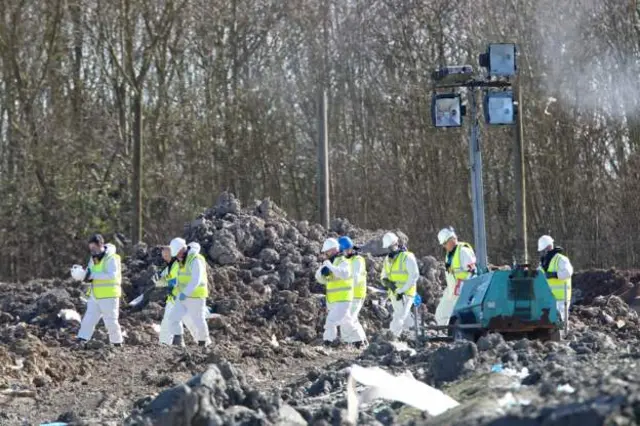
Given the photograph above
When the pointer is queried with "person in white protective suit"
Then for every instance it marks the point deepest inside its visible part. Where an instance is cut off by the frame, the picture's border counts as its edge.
(460, 264)
(168, 279)
(104, 273)
(192, 292)
(400, 275)
(355, 334)
(558, 270)
(335, 274)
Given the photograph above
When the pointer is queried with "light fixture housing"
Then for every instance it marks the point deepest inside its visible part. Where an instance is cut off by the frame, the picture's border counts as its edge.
(500, 59)
(499, 108)
(447, 110)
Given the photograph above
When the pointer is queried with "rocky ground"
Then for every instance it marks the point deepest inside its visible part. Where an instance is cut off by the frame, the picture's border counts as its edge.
(266, 365)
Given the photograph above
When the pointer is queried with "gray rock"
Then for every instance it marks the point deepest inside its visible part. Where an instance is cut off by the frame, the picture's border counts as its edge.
(223, 250)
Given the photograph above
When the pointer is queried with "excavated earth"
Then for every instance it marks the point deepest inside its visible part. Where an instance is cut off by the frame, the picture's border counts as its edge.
(267, 366)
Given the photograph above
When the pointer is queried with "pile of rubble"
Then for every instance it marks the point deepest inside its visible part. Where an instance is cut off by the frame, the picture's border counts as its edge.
(587, 285)
(262, 269)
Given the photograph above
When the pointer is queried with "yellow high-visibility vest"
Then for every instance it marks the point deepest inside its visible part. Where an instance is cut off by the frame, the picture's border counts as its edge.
(360, 289)
(107, 289)
(455, 267)
(172, 275)
(556, 284)
(396, 272)
(184, 276)
(338, 289)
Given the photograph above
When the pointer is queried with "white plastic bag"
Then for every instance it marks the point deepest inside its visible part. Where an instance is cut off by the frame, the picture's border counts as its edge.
(78, 272)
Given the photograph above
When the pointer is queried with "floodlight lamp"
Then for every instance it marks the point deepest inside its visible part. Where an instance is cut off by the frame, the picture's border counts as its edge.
(500, 59)
(447, 110)
(453, 74)
(499, 108)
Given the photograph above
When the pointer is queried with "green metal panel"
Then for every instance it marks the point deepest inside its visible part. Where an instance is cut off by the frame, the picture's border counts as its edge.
(513, 294)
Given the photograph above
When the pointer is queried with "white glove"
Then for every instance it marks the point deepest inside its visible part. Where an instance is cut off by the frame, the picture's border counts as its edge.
(328, 264)
(78, 273)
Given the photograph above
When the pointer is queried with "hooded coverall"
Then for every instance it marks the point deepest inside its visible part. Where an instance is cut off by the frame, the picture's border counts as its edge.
(558, 270)
(339, 295)
(193, 283)
(104, 295)
(355, 333)
(401, 268)
(460, 264)
(169, 277)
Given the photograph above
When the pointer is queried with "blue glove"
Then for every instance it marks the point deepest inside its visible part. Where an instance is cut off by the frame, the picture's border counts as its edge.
(325, 271)
(172, 282)
(182, 296)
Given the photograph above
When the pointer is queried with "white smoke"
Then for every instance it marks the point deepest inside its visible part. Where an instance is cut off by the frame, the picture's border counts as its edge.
(589, 62)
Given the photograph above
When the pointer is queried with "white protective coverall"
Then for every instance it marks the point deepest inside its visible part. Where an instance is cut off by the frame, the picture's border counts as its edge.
(355, 332)
(565, 271)
(192, 311)
(449, 298)
(165, 336)
(402, 318)
(339, 313)
(107, 309)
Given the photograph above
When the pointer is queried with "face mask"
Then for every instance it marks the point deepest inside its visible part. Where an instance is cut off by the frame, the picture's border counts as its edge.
(95, 252)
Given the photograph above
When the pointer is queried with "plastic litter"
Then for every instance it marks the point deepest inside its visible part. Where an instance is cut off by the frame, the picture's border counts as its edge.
(509, 400)
(403, 347)
(566, 388)
(511, 372)
(417, 300)
(69, 315)
(54, 424)
(404, 388)
(156, 327)
(137, 300)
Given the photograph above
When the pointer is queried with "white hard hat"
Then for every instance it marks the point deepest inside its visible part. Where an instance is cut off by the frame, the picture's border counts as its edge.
(78, 273)
(389, 239)
(330, 243)
(176, 245)
(445, 235)
(544, 242)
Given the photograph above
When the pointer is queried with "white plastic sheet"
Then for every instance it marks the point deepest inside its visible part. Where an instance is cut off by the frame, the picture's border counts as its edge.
(404, 388)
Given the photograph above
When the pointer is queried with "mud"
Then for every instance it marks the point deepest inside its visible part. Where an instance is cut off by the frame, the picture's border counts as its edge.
(266, 365)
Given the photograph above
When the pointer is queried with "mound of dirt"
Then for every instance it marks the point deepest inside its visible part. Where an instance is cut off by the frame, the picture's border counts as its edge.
(262, 269)
(588, 285)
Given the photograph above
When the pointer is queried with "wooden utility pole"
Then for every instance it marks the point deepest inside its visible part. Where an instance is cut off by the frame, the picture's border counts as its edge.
(323, 137)
(137, 168)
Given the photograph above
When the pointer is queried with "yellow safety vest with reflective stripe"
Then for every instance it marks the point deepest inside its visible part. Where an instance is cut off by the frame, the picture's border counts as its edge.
(360, 289)
(184, 277)
(339, 290)
(107, 289)
(396, 272)
(556, 284)
(172, 275)
(455, 267)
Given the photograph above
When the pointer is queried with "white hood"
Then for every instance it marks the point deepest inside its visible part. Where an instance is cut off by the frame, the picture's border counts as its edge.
(194, 248)
(109, 249)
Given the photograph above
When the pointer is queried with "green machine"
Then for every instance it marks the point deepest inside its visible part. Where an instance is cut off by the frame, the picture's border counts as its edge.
(517, 302)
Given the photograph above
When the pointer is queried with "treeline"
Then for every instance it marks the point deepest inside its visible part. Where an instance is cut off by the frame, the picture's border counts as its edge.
(219, 95)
